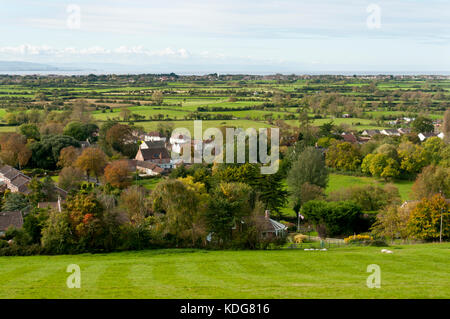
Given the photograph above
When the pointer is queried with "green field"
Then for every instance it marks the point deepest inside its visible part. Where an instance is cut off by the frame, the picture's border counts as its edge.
(338, 181)
(412, 271)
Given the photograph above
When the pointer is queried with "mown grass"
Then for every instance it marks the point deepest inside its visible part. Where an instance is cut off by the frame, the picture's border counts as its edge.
(413, 271)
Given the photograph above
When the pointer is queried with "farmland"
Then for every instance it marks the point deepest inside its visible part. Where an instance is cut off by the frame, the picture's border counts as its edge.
(226, 101)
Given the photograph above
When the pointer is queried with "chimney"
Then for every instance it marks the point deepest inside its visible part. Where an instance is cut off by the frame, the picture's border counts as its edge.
(267, 214)
(59, 203)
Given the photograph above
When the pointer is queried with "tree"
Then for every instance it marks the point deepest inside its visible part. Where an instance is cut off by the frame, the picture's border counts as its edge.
(80, 113)
(422, 124)
(391, 223)
(68, 156)
(230, 204)
(92, 160)
(380, 165)
(332, 218)
(435, 148)
(15, 201)
(135, 202)
(157, 97)
(446, 126)
(165, 129)
(117, 173)
(412, 158)
(45, 153)
(13, 149)
(121, 139)
(49, 189)
(125, 114)
(368, 197)
(80, 131)
(183, 208)
(272, 193)
(308, 168)
(70, 178)
(432, 180)
(425, 219)
(344, 156)
(30, 131)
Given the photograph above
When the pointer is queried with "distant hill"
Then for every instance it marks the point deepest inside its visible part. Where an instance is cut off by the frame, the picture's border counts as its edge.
(26, 66)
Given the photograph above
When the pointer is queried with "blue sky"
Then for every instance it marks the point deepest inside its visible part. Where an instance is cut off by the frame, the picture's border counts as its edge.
(234, 35)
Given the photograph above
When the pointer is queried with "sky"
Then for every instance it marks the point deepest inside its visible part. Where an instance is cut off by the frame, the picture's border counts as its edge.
(235, 36)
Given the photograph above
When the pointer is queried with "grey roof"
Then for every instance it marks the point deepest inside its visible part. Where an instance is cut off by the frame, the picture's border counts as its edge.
(13, 218)
(156, 154)
(155, 144)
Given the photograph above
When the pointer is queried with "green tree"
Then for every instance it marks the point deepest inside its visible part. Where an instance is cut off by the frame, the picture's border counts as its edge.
(230, 203)
(422, 124)
(45, 153)
(30, 131)
(432, 180)
(344, 156)
(16, 202)
(308, 168)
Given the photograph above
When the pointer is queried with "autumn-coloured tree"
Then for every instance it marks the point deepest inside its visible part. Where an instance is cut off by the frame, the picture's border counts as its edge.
(120, 137)
(184, 208)
(432, 180)
(135, 202)
(157, 97)
(345, 156)
(13, 149)
(68, 156)
(117, 173)
(446, 126)
(92, 160)
(125, 114)
(425, 219)
(70, 178)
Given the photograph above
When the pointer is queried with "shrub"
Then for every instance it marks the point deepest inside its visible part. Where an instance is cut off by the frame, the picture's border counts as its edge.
(300, 238)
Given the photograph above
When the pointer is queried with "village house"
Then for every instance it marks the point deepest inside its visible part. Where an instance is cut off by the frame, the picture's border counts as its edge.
(178, 142)
(8, 219)
(14, 179)
(152, 137)
(425, 136)
(149, 169)
(154, 152)
(370, 133)
(349, 137)
(57, 206)
(390, 132)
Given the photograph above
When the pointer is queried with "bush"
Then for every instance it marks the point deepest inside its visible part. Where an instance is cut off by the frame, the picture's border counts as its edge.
(333, 218)
(16, 250)
(300, 238)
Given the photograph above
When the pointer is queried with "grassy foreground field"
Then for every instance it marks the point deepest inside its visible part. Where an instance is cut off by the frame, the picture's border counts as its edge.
(412, 271)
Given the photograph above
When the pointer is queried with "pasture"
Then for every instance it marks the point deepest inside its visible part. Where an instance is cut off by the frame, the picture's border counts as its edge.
(412, 271)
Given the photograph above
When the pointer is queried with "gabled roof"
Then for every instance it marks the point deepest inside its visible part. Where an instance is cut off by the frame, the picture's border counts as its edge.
(155, 168)
(150, 154)
(13, 218)
(349, 137)
(155, 144)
